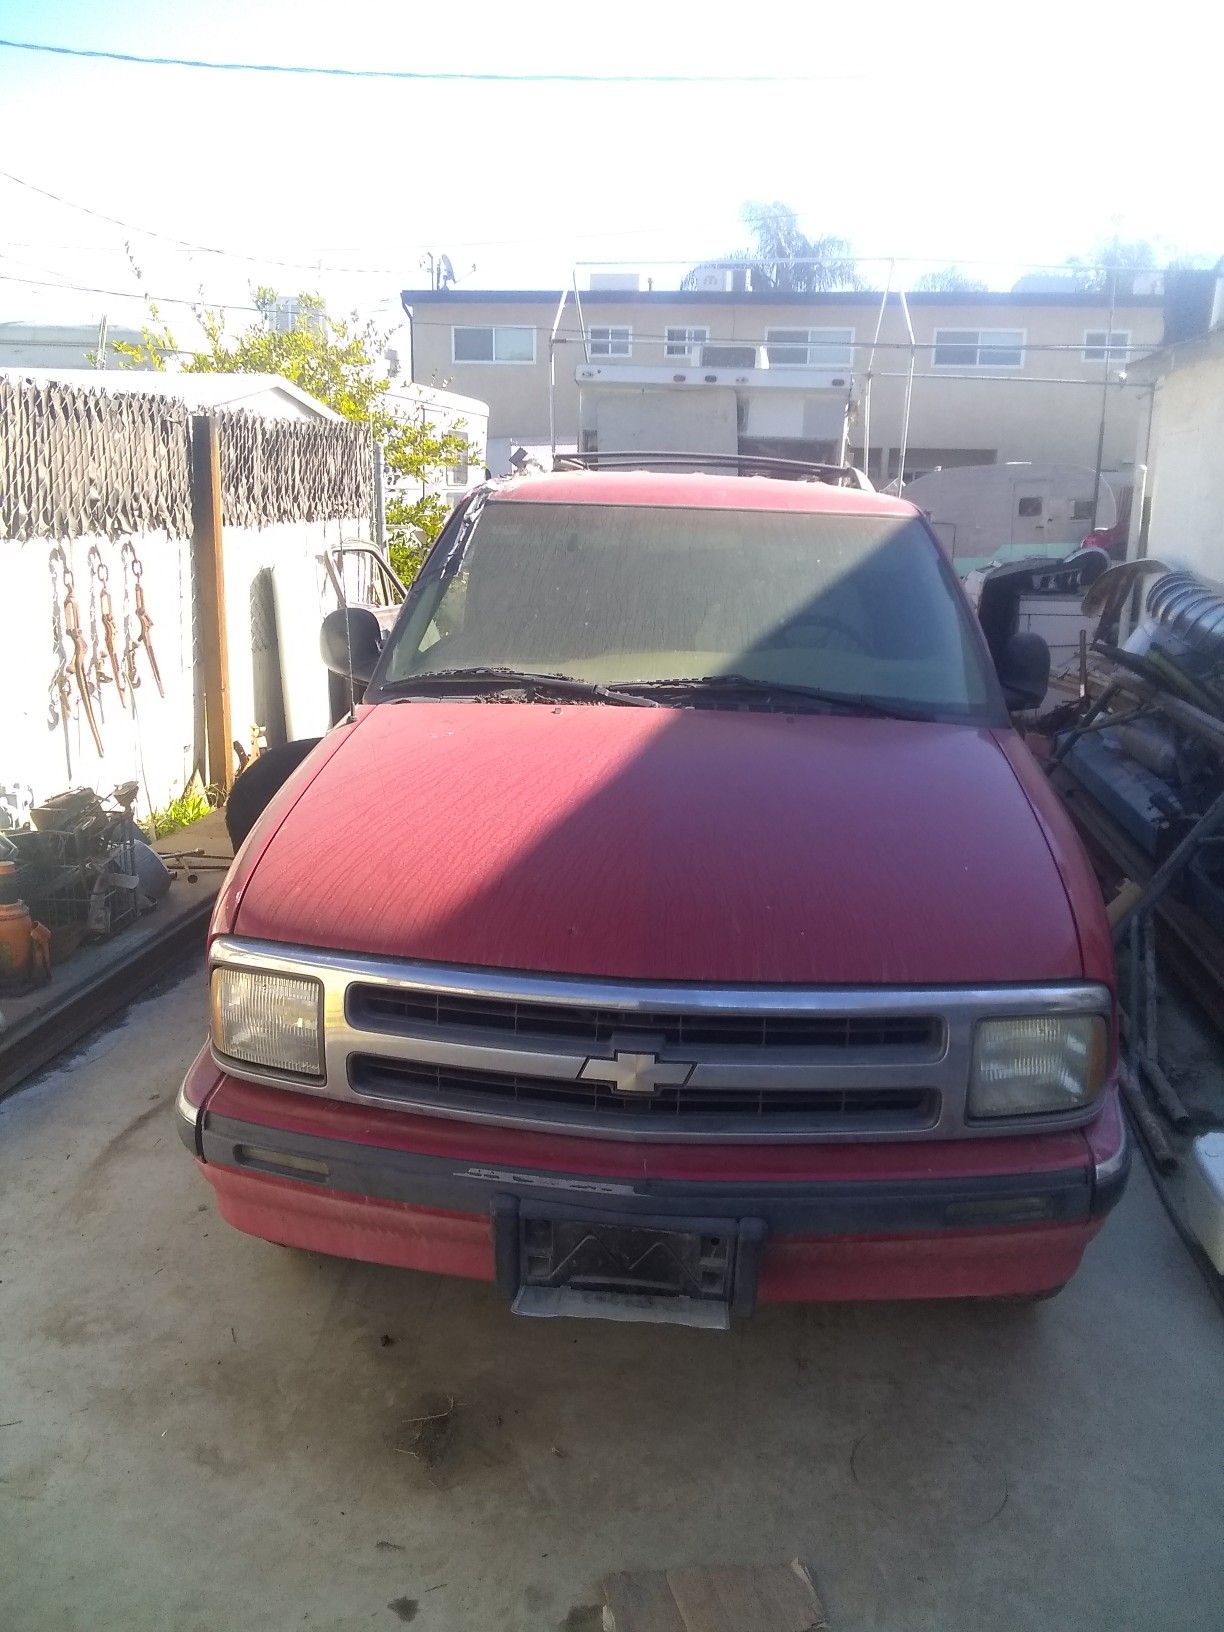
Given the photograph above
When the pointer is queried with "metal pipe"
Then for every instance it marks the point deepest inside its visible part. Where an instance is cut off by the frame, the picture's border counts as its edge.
(1201, 725)
(867, 380)
(1172, 866)
(380, 507)
(1157, 1140)
(1100, 453)
(909, 392)
(552, 373)
(1166, 1094)
(586, 345)
(1072, 736)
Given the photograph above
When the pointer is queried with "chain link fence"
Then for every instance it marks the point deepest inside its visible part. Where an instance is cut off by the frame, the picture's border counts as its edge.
(85, 463)
(78, 463)
(293, 470)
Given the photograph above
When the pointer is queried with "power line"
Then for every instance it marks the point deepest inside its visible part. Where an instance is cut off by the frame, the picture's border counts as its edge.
(182, 243)
(314, 266)
(420, 74)
(130, 294)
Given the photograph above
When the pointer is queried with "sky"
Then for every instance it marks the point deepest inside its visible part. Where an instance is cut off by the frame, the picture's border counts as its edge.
(943, 134)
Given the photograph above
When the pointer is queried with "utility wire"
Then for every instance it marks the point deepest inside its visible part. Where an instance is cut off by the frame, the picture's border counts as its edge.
(314, 266)
(443, 76)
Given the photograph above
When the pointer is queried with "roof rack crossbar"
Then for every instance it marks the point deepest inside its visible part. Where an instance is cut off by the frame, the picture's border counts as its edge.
(744, 464)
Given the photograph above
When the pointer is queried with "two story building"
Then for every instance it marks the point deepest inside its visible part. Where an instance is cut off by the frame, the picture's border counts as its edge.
(997, 376)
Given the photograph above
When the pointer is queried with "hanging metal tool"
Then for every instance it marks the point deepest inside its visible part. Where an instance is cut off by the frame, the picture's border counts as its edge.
(110, 628)
(80, 654)
(74, 664)
(97, 655)
(59, 708)
(136, 568)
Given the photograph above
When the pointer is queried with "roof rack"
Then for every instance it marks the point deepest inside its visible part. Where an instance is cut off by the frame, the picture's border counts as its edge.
(743, 464)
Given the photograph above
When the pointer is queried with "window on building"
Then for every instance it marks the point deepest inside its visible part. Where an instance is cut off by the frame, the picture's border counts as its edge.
(685, 344)
(979, 348)
(722, 356)
(510, 344)
(810, 348)
(612, 340)
(1106, 345)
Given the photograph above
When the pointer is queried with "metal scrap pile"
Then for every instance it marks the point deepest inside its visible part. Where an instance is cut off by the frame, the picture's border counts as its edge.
(1138, 757)
(83, 869)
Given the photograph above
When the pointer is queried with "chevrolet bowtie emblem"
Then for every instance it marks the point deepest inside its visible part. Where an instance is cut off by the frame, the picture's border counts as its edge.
(630, 1072)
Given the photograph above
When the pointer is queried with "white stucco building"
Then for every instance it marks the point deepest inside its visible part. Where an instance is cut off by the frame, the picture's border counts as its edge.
(1181, 442)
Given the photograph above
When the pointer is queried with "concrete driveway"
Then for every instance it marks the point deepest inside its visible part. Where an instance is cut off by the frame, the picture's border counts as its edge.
(200, 1430)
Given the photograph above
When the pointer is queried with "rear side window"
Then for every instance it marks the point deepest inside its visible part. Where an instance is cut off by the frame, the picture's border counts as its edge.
(854, 604)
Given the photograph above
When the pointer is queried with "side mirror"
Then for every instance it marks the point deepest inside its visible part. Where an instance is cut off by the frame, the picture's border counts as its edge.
(1024, 671)
(351, 641)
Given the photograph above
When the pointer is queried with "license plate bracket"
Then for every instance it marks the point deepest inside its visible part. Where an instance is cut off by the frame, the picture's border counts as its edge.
(556, 1260)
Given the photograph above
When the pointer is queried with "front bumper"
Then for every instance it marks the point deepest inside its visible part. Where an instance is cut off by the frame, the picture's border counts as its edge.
(961, 1219)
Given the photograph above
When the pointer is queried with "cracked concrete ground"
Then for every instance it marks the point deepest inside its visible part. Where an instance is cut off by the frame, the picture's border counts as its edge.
(202, 1431)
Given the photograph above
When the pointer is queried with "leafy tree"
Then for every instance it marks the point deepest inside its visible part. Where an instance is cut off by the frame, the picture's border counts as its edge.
(950, 278)
(336, 362)
(784, 258)
(1111, 260)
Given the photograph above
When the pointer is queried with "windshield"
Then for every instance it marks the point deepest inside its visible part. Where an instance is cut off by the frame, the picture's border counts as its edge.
(852, 605)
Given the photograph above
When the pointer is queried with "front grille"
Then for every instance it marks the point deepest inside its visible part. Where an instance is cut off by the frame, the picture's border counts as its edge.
(401, 1012)
(451, 1089)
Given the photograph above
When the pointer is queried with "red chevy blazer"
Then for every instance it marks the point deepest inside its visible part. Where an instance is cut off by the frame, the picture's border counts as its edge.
(677, 924)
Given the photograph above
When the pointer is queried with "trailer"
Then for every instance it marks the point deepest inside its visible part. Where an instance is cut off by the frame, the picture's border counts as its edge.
(984, 514)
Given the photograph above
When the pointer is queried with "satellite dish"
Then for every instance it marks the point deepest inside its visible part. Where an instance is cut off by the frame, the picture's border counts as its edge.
(446, 272)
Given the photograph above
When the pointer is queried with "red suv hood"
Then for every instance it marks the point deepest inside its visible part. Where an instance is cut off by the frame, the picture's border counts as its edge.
(668, 845)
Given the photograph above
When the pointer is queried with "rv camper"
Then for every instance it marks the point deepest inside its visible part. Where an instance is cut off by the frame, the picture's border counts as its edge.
(990, 513)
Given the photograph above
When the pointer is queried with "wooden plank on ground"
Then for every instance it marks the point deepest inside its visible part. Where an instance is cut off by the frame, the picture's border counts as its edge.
(769, 1598)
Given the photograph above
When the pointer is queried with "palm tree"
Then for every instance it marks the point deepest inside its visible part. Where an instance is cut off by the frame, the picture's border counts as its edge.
(784, 258)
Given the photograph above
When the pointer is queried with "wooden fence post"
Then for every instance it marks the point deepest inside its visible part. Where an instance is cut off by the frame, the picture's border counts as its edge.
(210, 585)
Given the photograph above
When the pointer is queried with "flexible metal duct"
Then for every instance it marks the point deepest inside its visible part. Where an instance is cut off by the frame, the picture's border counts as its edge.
(1190, 607)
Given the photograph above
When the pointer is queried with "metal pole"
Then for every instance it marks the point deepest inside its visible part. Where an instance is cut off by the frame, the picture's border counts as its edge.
(100, 359)
(380, 504)
(870, 364)
(909, 392)
(1100, 453)
(552, 373)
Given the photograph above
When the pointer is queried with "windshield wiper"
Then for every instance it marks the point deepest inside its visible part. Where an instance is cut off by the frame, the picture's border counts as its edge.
(750, 685)
(561, 685)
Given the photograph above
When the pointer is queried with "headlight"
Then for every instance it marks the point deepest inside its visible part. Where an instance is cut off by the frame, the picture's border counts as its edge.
(1037, 1063)
(270, 1020)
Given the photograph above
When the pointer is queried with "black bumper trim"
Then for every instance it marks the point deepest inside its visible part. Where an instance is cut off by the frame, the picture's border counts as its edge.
(856, 1207)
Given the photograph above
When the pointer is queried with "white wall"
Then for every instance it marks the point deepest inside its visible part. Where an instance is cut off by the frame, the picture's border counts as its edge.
(156, 742)
(1186, 468)
(153, 741)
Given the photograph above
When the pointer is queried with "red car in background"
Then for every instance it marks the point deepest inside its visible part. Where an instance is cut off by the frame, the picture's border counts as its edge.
(679, 923)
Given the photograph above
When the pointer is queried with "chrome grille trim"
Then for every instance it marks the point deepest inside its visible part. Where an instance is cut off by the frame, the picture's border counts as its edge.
(937, 1069)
